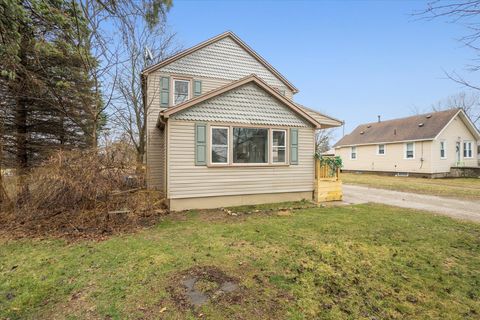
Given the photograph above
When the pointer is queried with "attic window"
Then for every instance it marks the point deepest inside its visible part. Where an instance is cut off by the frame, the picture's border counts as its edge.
(420, 124)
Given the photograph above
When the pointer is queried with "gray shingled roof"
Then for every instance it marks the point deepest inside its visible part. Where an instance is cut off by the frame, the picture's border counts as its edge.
(326, 121)
(247, 104)
(419, 127)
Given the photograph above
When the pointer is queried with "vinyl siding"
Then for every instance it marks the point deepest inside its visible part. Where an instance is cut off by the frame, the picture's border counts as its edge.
(248, 104)
(185, 180)
(156, 152)
(455, 130)
(223, 59)
(392, 161)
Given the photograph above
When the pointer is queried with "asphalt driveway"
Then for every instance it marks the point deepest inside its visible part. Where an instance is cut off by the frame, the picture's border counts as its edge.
(460, 209)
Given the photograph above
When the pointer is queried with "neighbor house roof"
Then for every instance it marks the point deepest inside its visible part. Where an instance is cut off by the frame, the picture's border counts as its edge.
(415, 128)
(224, 35)
(308, 116)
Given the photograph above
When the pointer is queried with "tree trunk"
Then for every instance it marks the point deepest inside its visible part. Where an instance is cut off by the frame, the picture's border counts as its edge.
(21, 142)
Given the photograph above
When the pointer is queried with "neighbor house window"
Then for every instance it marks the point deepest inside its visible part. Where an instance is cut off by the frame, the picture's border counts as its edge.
(219, 145)
(353, 153)
(279, 147)
(381, 149)
(467, 149)
(181, 91)
(443, 150)
(409, 150)
(250, 145)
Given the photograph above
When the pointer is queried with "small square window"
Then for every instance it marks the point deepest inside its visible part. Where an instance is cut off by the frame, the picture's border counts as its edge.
(381, 149)
(181, 91)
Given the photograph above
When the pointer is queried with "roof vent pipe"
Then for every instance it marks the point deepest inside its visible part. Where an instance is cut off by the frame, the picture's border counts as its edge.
(379, 119)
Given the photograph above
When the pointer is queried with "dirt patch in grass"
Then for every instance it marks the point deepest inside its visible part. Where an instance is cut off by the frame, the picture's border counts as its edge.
(240, 213)
(208, 288)
(199, 285)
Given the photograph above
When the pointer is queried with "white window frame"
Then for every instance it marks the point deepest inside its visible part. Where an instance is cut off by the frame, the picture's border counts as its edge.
(273, 147)
(405, 149)
(220, 145)
(351, 153)
(444, 143)
(384, 149)
(189, 92)
(470, 143)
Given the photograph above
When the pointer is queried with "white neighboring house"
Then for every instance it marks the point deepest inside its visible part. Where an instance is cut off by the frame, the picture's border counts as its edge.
(426, 145)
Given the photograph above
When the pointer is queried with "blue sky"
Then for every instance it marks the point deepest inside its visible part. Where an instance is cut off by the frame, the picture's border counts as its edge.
(350, 59)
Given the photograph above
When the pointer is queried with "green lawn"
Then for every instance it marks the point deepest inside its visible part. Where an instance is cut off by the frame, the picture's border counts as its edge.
(351, 262)
(461, 188)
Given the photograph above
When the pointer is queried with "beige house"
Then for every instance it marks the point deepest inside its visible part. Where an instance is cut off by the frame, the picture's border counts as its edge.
(223, 129)
(424, 145)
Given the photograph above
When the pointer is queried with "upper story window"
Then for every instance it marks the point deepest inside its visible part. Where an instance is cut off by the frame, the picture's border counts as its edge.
(353, 153)
(409, 150)
(279, 146)
(381, 149)
(443, 150)
(181, 91)
(467, 149)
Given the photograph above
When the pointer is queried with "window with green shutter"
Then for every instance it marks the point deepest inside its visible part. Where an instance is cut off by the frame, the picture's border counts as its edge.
(200, 144)
(294, 146)
(164, 91)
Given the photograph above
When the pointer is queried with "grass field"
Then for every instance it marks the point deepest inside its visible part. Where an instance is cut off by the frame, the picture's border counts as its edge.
(351, 262)
(461, 188)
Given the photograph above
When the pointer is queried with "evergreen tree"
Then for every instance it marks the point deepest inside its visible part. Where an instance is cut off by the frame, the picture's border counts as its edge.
(47, 86)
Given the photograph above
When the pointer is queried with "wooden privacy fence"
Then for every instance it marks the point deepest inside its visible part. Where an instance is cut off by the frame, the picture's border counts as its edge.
(328, 186)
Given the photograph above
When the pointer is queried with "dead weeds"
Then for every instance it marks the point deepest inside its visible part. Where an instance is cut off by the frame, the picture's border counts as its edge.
(82, 194)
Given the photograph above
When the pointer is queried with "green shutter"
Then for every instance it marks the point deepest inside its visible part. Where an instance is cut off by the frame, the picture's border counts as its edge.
(294, 146)
(164, 91)
(200, 144)
(197, 88)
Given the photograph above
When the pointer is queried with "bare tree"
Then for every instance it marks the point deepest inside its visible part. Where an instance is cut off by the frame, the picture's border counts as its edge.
(106, 46)
(323, 139)
(469, 102)
(466, 13)
(139, 41)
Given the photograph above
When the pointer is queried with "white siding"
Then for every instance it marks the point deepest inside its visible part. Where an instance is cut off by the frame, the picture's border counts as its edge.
(185, 180)
(428, 151)
(393, 160)
(455, 131)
